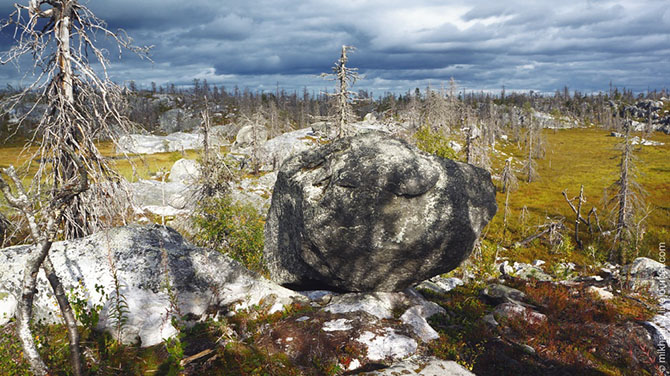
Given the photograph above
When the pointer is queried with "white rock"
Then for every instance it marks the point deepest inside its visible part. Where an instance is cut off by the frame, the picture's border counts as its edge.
(538, 263)
(389, 345)
(660, 325)
(7, 306)
(600, 292)
(337, 325)
(317, 295)
(354, 364)
(423, 366)
(378, 304)
(199, 280)
(151, 144)
(255, 191)
(440, 285)
(651, 273)
(382, 305)
(416, 316)
(455, 146)
(512, 310)
(163, 211)
(275, 151)
(185, 171)
(249, 134)
(162, 198)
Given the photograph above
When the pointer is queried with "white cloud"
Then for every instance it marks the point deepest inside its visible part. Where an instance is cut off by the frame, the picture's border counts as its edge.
(401, 44)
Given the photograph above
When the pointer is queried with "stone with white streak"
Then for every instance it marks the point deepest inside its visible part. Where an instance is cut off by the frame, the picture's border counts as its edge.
(387, 345)
(144, 258)
(423, 366)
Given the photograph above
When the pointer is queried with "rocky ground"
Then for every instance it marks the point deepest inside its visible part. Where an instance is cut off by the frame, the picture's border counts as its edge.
(515, 324)
(520, 319)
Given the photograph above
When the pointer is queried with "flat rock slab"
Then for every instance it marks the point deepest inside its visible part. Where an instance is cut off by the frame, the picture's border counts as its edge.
(159, 273)
(423, 366)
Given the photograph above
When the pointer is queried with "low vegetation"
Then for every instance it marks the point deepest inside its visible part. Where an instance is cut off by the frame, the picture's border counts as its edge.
(232, 228)
(582, 334)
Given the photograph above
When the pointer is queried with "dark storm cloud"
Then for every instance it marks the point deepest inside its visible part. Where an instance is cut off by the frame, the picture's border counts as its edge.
(539, 45)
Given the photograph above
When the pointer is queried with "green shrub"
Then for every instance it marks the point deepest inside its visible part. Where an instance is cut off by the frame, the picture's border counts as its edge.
(434, 143)
(234, 229)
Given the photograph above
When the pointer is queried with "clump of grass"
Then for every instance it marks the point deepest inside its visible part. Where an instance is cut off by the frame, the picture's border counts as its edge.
(463, 334)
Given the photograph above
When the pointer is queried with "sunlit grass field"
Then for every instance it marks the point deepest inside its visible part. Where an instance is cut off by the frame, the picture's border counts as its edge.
(590, 157)
(132, 168)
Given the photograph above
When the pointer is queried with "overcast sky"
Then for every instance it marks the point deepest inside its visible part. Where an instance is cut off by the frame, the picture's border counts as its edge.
(521, 44)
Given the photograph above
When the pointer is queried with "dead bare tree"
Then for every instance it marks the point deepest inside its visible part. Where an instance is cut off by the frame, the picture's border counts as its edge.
(345, 77)
(627, 196)
(534, 146)
(578, 214)
(81, 105)
(43, 233)
(214, 174)
(476, 151)
(509, 183)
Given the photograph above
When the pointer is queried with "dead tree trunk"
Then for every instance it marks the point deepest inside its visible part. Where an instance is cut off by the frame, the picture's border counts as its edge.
(345, 78)
(509, 183)
(40, 258)
(578, 212)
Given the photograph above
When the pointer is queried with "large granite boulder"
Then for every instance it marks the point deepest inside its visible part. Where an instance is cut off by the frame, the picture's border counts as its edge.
(372, 213)
(159, 273)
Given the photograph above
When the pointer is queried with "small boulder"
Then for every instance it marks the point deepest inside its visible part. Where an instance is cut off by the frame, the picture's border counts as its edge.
(372, 213)
(185, 171)
(498, 294)
(250, 134)
(510, 311)
(647, 272)
(600, 292)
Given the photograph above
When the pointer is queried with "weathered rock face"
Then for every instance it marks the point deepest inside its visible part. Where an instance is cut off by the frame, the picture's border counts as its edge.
(200, 280)
(249, 134)
(177, 120)
(372, 213)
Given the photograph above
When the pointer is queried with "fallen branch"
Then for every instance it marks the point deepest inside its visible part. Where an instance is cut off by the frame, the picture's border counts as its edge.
(195, 357)
(546, 229)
